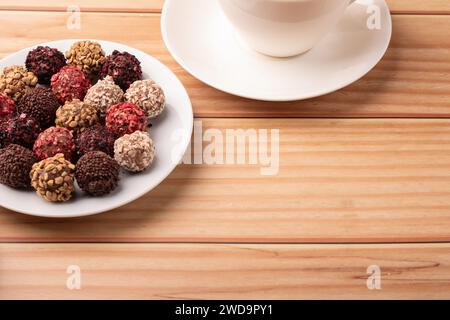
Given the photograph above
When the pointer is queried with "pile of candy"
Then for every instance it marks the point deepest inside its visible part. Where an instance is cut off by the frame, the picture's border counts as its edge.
(75, 118)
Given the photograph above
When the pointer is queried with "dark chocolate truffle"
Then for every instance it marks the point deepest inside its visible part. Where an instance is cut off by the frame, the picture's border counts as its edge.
(22, 130)
(52, 141)
(125, 118)
(124, 67)
(44, 62)
(7, 107)
(15, 166)
(97, 173)
(3, 134)
(95, 138)
(41, 104)
(70, 83)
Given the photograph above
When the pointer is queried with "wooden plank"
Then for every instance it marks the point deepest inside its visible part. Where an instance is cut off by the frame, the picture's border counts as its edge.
(169, 271)
(397, 6)
(85, 5)
(413, 80)
(338, 181)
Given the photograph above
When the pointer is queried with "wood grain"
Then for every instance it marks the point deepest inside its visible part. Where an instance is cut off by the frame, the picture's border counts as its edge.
(84, 5)
(397, 6)
(413, 80)
(338, 181)
(162, 271)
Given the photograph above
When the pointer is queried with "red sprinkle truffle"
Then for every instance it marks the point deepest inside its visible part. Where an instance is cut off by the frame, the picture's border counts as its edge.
(44, 62)
(123, 67)
(7, 107)
(95, 138)
(70, 83)
(125, 118)
(52, 141)
(21, 130)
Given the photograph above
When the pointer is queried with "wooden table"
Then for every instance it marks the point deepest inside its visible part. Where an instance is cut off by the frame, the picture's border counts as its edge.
(364, 180)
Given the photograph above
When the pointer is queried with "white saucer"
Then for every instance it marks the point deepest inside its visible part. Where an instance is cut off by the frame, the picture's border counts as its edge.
(200, 38)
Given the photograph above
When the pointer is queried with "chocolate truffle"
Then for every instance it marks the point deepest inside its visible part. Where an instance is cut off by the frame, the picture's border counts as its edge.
(125, 118)
(3, 134)
(44, 62)
(124, 67)
(95, 138)
(15, 165)
(70, 83)
(52, 141)
(16, 81)
(22, 130)
(148, 96)
(86, 55)
(7, 107)
(134, 152)
(97, 173)
(53, 178)
(76, 115)
(41, 104)
(104, 94)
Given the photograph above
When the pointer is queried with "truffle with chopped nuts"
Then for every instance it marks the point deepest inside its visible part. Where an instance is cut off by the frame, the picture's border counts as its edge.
(86, 55)
(70, 83)
(53, 178)
(15, 165)
(97, 173)
(124, 67)
(134, 152)
(52, 141)
(44, 62)
(76, 115)
(125, 118)
(41, 104)
(104, 94)
(15, 81)
(148, 96)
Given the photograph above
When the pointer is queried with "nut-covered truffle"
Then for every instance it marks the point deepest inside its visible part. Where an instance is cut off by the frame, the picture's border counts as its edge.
(86, 55)
(53, 178)
(97, 173)
(22, 130)
(70, 83)
(95, 138)
(15, 165)
(52, 141)
(41, 104)
(76, 115)
(104, 94)
(125, 118)
(44, 62)
(124, 67)
(134, 152)
(7, 107)
(16, 81)
(148, 96)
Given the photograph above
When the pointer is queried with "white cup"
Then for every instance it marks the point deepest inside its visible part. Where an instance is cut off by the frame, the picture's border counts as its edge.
(283, 28)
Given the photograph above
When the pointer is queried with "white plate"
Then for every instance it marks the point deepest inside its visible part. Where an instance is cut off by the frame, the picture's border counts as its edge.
(200, 38)
(171, 133)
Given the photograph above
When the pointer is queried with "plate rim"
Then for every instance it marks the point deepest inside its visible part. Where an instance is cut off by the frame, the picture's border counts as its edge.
(138, 195)
(292, 98)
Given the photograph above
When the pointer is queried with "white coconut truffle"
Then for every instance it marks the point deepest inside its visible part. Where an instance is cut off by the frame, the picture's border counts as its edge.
(104, 94)
(148, 96)
(134, 152)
